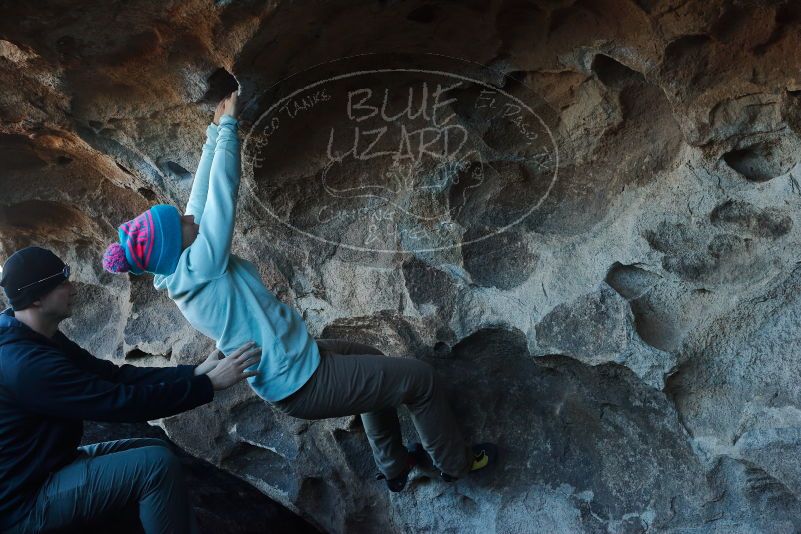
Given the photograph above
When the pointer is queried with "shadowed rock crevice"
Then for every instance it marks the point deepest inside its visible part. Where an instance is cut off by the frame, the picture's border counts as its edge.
(429, 285)
(614, 74)
(502, 260)
(761, 162)
(631, 281)
(634, 284)
(771, 223)
(425, 14)
(722, 258)
(221, 83)
(177, 171)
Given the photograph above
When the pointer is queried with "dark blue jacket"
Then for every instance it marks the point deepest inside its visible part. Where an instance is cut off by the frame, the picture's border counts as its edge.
(49, 386)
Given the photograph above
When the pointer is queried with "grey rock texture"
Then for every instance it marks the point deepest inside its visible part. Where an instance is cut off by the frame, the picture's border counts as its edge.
(616, 300)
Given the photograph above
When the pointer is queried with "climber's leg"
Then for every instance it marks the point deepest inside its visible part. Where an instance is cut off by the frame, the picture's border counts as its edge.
(374, 385)
(382, 426)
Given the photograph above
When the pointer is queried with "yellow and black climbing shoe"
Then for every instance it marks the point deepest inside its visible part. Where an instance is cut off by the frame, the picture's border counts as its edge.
(480, 461)
(416, 456)
(484, 455)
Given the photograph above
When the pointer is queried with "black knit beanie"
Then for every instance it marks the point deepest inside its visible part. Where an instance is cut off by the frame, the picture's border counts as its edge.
(27, 266)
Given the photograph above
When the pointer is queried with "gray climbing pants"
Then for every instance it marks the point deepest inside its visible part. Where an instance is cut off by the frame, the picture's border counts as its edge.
(358, 379)
(108, 477)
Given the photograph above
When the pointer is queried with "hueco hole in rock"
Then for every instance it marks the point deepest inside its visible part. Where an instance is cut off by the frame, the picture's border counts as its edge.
(581, 216)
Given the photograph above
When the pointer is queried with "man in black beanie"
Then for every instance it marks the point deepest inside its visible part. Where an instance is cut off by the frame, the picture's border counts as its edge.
(32, 271)
(49, 385)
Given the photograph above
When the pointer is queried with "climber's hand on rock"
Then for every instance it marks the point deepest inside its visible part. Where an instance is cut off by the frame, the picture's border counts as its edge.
(231, 369)
(218, 112)
(230, 105)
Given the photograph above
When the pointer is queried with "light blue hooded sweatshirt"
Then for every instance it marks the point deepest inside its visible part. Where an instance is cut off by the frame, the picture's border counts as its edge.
(222, 295)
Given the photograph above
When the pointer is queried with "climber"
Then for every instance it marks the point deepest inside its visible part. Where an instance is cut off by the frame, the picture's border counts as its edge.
(49, 385)
(223, 297)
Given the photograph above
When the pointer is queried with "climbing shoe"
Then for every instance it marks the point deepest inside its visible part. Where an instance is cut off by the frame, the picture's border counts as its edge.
(416, 456)
(484, 455)
(397, 483)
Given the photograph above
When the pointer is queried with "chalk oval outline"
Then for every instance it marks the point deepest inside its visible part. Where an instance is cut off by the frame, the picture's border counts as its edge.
(280, 102)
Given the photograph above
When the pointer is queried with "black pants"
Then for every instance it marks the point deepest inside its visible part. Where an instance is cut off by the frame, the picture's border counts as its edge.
(358, 379)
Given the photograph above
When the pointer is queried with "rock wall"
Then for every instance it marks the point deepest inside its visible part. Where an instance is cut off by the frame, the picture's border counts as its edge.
(607, 282)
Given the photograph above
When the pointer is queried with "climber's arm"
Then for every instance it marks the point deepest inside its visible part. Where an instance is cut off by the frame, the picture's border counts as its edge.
(208, 254)
(200, 185)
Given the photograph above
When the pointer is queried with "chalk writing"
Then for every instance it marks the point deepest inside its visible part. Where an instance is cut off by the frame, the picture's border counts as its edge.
(409, 155)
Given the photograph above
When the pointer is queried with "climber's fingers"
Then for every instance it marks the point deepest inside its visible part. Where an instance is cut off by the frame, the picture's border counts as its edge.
(230, 105)
(218, 112)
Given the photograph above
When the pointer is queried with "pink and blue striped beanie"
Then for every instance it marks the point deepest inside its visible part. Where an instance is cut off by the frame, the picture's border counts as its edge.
(149, 243)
